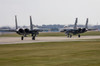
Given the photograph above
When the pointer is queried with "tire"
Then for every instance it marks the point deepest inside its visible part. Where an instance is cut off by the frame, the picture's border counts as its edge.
(70, 36)
(79, 36)
(22, 38)
(33, 38)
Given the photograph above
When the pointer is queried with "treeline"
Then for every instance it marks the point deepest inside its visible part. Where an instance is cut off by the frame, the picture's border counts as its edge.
(54, 27)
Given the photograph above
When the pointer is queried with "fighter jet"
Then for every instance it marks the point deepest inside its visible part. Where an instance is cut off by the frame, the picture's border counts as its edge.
(24, 31)
(75, 30)
(81, 30)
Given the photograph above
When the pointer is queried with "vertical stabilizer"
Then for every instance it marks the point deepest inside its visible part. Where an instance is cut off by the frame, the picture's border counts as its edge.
(75, 25)
(31, 25)
(16, 22)
(86, 25)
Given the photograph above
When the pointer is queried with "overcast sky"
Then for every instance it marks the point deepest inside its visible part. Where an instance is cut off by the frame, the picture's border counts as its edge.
(49, 11)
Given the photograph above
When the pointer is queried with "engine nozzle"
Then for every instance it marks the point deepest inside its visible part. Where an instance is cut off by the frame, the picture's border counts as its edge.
(20, 31)
(26, 30)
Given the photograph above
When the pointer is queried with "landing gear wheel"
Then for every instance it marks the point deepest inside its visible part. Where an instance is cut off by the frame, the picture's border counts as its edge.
(70, 36)
(22, 38)
(33, 38)
(79, 36)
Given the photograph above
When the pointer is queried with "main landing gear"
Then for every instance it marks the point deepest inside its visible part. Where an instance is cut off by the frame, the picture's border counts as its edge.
(69, 35)
(79, 35)
(33, 36)
(22, 38)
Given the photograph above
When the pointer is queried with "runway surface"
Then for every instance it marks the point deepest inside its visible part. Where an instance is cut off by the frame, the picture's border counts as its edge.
(16, 40)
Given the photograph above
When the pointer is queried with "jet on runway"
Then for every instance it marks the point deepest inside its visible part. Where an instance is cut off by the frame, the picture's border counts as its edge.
(24, 32)
(76, 30)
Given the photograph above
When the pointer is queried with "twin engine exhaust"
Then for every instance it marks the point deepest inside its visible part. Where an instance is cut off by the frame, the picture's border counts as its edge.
(82, 30)
(23, 31)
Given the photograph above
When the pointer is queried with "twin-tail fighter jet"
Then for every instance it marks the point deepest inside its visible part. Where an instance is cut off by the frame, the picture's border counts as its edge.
(24, 31)
(75, 30)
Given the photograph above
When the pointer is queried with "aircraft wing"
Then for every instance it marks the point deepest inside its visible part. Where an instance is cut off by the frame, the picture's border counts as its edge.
(92, 29)
(37, 30)
(7, 30)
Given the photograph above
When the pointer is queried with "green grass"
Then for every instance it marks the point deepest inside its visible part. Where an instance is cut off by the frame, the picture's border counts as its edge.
(10, 35)
(93, 33)
(51, 54)
(40, 34)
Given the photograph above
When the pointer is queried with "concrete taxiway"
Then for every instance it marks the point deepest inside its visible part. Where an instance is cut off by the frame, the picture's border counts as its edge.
(16, 40)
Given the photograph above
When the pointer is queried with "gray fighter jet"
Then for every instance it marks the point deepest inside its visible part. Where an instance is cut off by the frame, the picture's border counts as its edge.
(75, 30)
(24, 32)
